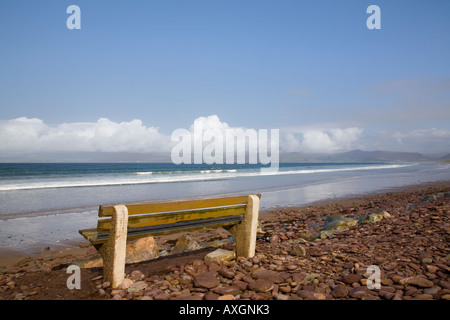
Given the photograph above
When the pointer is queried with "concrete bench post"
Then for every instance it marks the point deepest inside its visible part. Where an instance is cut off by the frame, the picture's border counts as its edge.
(245, 232)
(115, 252)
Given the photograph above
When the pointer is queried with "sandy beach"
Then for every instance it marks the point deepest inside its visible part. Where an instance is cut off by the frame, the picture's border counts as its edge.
(298, 257)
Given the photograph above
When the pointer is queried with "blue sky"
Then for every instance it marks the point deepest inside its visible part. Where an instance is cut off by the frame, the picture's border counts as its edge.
(305, 67)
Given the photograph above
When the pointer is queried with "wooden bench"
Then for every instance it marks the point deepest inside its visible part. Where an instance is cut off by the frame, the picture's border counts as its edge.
(119, 223)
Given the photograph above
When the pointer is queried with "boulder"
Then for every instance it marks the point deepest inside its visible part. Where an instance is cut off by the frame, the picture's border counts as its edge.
(220, 255)
(374, 217)
(326, 233)
(185, 244)
(338, 222)
(298, 250)
(142, 249)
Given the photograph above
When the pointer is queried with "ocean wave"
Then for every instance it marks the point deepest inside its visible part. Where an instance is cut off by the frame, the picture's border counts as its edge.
(187, 176)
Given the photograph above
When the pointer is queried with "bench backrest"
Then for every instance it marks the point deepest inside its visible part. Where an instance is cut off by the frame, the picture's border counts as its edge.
(161, 213)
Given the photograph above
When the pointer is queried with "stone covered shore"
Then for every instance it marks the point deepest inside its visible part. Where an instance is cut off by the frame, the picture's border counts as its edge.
(319, 252)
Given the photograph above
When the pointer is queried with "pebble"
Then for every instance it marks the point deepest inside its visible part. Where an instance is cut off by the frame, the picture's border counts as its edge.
(206, 280)
(340, 291)
(261, 285)
(226, 297)
(418, 281)
(359, 293)
(351, 278)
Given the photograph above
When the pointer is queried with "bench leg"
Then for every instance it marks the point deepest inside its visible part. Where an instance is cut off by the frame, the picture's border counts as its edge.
(245, 232)
(115, 251)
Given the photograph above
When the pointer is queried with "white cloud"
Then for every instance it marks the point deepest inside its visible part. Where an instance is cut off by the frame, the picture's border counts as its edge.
(313, 140)
(425, 140)
(33, 135)
(30, 135)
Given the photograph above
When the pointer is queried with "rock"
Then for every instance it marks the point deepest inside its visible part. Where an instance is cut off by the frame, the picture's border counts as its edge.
(126, 283)
(326, 233)
(162, 296)
(348, 265)
(309, 278)
(444, 284)
(226, 297)
(319, 296)
(220, 255)
(333, 218)
(338, 222)
(272, 276)
(141, 250)
(417, 281)
(359, 292)
(186, 297)
(374, 217)
(396, 278)
(92, 262)
(259, 231)
(429, 198)
(185, 244)
(351, 278)
(298, 250)
(242, 285)
(226, 273)
(137, 275)
(433, 290)
(211, 296)
(261, 285)
(280, 296)
(138, 286)
(431, 268)
(206, 280)
(306, 294)
(423, 296)
(340, 291)
(227, 290)
(274, 239)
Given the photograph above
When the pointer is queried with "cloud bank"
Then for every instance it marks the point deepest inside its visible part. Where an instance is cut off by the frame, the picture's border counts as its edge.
(31, 135)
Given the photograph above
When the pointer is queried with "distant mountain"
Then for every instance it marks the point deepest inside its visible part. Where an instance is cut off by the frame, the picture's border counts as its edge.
(359, 156)
(293, 157)
(446, 157)
(382, 156)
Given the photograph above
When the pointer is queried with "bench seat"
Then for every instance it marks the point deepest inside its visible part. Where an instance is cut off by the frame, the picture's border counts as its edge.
(119, 223)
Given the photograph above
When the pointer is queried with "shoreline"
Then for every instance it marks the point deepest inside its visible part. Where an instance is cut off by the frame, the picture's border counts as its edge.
(10, 256)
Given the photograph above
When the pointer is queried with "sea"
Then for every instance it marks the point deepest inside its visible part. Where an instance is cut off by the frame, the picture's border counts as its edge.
(45, 204)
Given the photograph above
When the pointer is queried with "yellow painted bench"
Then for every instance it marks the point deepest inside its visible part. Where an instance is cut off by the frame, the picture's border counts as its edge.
(119, 223)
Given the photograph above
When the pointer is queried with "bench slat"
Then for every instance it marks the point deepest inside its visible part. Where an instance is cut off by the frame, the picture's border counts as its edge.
(173, 217)
(158, 207)
(98, 237)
